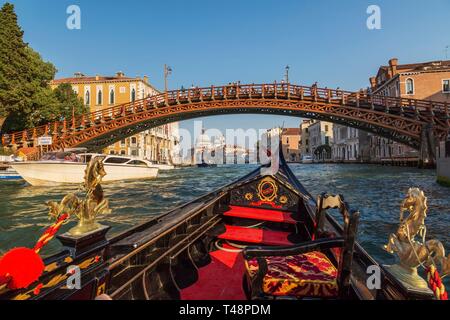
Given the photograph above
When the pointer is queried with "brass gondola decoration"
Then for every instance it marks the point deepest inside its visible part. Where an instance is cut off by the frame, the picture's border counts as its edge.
(88, 209)
(413, 252)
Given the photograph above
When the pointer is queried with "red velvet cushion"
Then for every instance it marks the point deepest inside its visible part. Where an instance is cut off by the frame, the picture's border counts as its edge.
(307, 275)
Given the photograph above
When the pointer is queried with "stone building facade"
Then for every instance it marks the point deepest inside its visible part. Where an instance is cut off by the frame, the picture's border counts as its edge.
(290, 141)
(305, 147)
(321, 140)
(426, 81)
(350, 144)
(159, 144)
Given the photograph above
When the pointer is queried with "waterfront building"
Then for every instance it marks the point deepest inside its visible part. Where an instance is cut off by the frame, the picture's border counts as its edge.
(290, 140)
(264, 144)
(305, 149)
(350, 144)
(383, 149)
(216, 150)
(426, 80)
(201, 150)
(159, 144)
(232, 153)
(320, 140)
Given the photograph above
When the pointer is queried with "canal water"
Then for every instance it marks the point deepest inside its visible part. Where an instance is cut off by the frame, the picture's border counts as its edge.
(375, 190)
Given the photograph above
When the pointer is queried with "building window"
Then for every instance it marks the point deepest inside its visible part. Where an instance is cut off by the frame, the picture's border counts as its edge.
(122, 143)
(99, 97)
(87, 98)
(133, 95)
(446, 86)
(326, 128)
(133, 140)
(409, 86)
(122, 152)
(111, 96)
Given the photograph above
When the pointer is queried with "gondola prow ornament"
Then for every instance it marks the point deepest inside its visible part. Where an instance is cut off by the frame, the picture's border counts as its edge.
(88, 209)
(22, 266)
(413, 252)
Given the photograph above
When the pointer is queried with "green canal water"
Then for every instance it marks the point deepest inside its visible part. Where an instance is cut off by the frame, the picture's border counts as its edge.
(375, 190)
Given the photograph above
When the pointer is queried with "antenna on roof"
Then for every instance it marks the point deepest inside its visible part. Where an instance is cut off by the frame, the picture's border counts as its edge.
(446, 52)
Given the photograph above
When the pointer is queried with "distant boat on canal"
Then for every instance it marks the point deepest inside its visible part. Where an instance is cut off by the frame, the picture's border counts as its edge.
(307, 159)
(58, 168)
(206, 165)
(8, 173)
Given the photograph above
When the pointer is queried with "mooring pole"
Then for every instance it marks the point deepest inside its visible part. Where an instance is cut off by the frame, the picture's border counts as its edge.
(427, 156)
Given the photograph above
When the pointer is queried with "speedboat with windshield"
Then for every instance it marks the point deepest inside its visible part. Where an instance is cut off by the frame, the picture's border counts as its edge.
(68, 167)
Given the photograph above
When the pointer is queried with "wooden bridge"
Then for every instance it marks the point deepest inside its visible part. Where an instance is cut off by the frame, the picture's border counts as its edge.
(400, 119)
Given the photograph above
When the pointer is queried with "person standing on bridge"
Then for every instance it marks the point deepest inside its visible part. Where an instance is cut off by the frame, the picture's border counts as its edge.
(314, 89)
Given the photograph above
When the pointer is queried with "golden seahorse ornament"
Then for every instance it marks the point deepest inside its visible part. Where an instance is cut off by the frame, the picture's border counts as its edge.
(414, 252)
(89, 208)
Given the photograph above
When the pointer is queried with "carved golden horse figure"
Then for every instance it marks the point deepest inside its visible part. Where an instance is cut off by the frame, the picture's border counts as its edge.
(414, 252)
(88, 209)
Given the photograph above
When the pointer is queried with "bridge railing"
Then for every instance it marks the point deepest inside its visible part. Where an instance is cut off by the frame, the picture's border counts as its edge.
(419, 109)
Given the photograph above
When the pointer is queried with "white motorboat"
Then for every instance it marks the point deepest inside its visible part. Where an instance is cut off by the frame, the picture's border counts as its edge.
(162, 166)
(68, 168)
(307, 159)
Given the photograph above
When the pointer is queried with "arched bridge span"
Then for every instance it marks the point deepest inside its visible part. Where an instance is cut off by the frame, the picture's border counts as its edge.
(400, 119)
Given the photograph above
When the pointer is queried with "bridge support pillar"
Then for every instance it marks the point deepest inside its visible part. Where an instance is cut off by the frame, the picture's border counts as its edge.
(427, 156)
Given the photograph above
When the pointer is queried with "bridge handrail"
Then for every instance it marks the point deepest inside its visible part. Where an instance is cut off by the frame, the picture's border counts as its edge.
(267, 90)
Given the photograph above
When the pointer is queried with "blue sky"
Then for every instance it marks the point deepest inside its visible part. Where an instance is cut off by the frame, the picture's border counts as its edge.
(216, 42)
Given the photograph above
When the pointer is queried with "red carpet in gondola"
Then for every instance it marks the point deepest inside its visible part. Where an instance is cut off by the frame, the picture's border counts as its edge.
(260, 214)
(256, 236)
(219, 280)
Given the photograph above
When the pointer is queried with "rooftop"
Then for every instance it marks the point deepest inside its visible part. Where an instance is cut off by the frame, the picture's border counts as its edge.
(291, 131)
(422, 66)
(388, 72)
(81, 78)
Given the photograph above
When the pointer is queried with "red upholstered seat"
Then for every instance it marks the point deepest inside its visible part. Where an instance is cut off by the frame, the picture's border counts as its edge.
(306, 275)
(260, 214)
(259, 236)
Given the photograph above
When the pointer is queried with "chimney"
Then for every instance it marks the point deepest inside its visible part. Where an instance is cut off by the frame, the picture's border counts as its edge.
(97, 77)
(120, 74)
(373, 82)
(393, 63)
(145, 79)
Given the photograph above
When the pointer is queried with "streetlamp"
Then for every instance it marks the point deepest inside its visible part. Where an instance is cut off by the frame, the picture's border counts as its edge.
(287, 73)
(167, 72)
